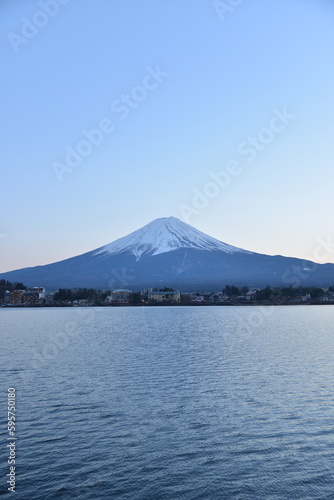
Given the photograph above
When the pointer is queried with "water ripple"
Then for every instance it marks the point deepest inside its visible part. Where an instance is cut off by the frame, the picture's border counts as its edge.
(174, 403)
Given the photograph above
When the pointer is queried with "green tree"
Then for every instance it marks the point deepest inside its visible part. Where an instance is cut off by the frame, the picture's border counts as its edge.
(19, 286)
(264, 294)
(63, 295)
(135, 298)
(317, 293)
(231, 291)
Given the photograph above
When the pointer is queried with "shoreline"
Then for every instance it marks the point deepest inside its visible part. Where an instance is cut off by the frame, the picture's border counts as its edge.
(242, 304)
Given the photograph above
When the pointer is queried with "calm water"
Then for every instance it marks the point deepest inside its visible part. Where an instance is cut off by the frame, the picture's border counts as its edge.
(171, 403)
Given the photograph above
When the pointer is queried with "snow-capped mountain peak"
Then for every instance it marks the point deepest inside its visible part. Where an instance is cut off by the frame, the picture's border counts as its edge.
(165, 235)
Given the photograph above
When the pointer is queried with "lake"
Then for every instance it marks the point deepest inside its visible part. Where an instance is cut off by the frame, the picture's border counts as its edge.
(150, 403)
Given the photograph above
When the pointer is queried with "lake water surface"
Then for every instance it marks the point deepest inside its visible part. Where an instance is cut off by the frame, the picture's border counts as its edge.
(150, 403)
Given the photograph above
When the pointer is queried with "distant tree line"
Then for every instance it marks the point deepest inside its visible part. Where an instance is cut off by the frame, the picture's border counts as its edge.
(7, 285)
(287, 293)
(89, 294)
(234, 293)
(10, 287)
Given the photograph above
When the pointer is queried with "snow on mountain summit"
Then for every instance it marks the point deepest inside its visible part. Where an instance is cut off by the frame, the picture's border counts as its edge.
(165, 235)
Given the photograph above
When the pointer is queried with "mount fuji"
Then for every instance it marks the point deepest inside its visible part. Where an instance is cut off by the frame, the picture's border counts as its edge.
(166, 235)
(169, 252)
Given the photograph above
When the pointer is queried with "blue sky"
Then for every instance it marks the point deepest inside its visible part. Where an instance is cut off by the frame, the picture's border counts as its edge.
(198, 83)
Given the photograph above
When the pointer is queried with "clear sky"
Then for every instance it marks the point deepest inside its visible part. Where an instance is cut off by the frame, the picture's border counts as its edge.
(219, 113)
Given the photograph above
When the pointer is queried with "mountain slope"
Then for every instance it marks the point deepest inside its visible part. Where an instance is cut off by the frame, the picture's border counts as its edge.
(168, 252)
(165, 235)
